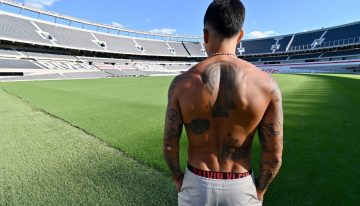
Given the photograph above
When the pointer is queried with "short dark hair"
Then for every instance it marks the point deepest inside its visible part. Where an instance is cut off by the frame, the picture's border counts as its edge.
(226, 16)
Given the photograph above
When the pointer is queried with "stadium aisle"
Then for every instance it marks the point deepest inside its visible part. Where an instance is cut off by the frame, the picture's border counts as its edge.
(44, 161)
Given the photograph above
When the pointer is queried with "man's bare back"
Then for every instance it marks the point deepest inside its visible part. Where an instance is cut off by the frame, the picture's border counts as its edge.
(221, 113)
(222, 102)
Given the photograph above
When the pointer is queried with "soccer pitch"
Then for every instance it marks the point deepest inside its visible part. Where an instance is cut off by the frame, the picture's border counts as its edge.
(99, 142)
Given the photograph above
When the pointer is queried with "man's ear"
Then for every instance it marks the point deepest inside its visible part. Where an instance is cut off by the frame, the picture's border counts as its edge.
(241, 35)
(206, 36)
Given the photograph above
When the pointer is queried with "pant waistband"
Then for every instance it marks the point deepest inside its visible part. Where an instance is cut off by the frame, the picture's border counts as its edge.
(218, 175)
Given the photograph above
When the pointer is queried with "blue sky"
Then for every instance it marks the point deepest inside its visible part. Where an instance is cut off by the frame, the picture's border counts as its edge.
(264, 17)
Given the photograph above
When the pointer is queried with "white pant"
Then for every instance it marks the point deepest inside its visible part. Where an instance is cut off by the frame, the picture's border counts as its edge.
(201, 191)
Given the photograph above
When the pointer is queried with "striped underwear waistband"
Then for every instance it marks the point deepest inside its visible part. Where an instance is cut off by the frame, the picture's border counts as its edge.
(218, 175)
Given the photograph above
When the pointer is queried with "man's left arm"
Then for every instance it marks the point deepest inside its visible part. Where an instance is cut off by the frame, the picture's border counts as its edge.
(271, 136)
(172, 134)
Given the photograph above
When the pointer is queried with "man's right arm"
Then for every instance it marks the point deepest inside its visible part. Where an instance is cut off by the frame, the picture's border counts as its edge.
(172, 134)
(271, 139)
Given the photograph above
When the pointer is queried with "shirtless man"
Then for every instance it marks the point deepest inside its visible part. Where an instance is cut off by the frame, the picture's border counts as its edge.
(222, 102)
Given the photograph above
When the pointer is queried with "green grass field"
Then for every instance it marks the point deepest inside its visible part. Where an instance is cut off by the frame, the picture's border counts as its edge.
(99, 142)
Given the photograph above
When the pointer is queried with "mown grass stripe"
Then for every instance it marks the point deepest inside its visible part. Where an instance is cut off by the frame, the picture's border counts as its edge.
(45, 161)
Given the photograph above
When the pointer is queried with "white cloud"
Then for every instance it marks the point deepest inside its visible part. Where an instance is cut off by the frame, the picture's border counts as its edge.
(116, 24)
(40, 3)
(163, 31)
(260, 34)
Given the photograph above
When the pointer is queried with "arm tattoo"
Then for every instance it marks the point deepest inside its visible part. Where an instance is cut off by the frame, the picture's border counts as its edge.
(267, 135)
(268, 171)
(172, 132)
(263, 182)
(198, 126)
(173, 115)
(222, 75)
(172, 135)
(268, 168)
(268, 129)
(271, 140)
(174, 124)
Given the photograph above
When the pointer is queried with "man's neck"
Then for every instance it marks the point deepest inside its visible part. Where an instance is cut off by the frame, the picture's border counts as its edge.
(223, 48)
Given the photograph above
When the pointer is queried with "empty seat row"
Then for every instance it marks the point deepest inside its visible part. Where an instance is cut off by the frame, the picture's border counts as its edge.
(17, 64)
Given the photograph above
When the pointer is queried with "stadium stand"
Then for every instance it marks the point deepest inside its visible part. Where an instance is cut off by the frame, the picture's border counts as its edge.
(306, 38)
(283, 43)
(14, 28)
(195, 49)
(261, 46)
(119, 44)
(17, 64)
(72, 38)
(155, 48)
(179, 48)
(56, 51)
(344, 32)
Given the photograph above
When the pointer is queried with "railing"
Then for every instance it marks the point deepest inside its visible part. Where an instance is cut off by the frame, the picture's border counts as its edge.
(328, 44)
(301, 47)
(349, 41)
